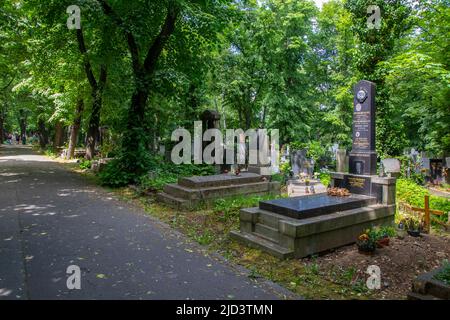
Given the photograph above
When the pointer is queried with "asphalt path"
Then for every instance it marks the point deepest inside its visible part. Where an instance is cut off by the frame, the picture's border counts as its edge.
(52, 218)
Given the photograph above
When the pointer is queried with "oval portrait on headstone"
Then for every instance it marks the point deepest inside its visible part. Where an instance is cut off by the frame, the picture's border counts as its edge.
(358, 107)
(361, 95)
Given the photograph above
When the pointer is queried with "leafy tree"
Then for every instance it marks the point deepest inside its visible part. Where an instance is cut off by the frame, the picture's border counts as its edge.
(375, 46)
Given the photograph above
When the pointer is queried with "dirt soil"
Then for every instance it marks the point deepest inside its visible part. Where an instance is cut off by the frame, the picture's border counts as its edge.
(400, 262)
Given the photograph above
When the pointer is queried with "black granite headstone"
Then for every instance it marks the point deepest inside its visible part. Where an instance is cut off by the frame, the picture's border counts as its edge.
(363, 158)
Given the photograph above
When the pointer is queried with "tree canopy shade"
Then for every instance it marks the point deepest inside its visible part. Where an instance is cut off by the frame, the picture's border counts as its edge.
(144, 68)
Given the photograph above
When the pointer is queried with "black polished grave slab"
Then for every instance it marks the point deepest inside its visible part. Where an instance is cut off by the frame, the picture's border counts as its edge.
(315, 205)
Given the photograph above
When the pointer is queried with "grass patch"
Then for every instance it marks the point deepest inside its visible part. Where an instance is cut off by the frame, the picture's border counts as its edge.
(444, 275)
(410, 192)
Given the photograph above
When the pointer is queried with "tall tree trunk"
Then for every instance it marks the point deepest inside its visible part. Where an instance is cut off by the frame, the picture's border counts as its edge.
(97, 92)
(135, 140)
(22, 123)
(2, 121)
(75, 128)
(58, 140)
(42, 133)
(94, 120)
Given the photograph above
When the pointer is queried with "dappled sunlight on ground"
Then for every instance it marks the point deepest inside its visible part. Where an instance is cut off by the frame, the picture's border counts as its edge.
(4, 292)
(32, 209)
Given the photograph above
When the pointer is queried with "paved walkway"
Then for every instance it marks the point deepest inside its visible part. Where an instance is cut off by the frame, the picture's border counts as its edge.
(51, 218)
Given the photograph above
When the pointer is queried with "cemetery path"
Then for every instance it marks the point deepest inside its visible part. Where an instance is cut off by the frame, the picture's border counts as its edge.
(51, 218)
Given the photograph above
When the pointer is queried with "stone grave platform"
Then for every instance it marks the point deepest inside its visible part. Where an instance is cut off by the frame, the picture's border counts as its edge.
(301, 226)
(190, 192)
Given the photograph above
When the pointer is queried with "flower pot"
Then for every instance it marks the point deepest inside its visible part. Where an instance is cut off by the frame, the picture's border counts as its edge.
(414, 233)
(365, 247)
(383, 242)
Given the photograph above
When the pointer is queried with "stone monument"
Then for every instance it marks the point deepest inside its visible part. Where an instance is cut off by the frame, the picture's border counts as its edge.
(362, 178)
(391, 166)
(263, 166)
(363, 158)
(306, 225)
(341, 160)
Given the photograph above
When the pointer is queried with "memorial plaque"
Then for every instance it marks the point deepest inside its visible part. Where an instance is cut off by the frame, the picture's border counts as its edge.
(358, 184)
(363, 158)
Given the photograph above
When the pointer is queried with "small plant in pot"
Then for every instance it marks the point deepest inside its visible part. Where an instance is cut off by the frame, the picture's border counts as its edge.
(366, 243)
(413, 226)
(383, 236)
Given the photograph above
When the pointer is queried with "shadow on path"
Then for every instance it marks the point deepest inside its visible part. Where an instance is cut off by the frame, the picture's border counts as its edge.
(51, 218)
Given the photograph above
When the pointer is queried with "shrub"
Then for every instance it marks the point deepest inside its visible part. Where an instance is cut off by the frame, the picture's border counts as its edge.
(85, 164)
(113, 174)
(325, 178)
(148, 172)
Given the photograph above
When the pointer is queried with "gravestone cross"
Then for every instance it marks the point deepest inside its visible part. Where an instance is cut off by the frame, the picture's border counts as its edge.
(363, 157)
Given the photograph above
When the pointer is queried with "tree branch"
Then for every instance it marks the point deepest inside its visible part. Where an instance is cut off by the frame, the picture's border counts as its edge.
(132, 45)
(167, 29)
(87, 64)
(103, 76)
(12, 79)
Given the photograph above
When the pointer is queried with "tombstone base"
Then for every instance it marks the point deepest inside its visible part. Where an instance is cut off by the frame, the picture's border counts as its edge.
(364, 163)
(382, 188)
(190, 193)
(265, 171)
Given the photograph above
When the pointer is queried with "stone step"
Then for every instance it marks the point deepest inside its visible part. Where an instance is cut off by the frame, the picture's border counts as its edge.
(257, 242)
(267, 232)
(418, 296)
(219, 180)
(171, 200)
(268, 219)
(186, 193)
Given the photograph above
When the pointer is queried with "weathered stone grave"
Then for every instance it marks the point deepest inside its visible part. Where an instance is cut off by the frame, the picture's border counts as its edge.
(302, 226)
(391, 167)
(342, 160)
(191, 192)
(301, 164)
(263, 166)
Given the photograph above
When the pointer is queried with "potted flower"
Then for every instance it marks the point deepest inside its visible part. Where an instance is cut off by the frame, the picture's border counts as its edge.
(383, 236)
(366, 243)
(413, 226)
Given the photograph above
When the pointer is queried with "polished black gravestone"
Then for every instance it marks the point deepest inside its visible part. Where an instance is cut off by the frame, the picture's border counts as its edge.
(363, 158)
(315, 205)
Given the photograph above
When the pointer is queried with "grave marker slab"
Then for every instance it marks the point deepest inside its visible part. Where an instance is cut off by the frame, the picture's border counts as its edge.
(392, 166)
(363, 158)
